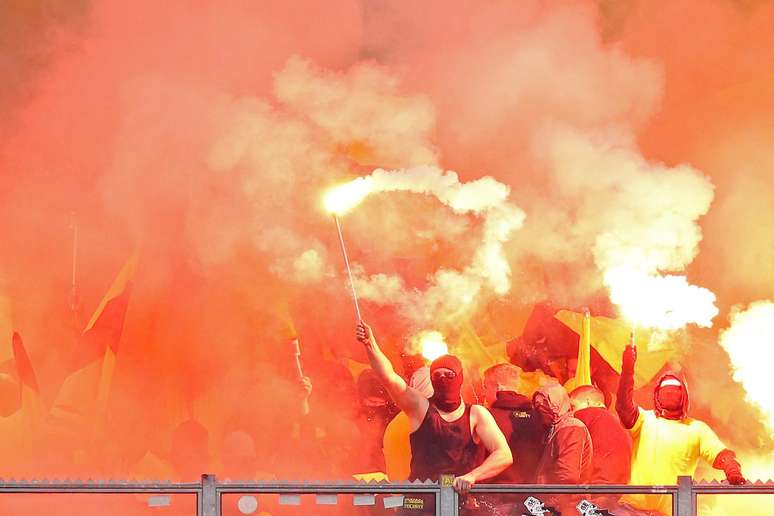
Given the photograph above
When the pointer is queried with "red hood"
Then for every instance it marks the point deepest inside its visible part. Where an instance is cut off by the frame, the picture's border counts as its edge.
(685, 401)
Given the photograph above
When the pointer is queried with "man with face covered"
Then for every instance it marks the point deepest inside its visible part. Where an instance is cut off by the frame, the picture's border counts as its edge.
(568, 451)
(667, 443)
(446, 434)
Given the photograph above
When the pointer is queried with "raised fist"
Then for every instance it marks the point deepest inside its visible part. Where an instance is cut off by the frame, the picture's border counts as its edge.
(629, 358)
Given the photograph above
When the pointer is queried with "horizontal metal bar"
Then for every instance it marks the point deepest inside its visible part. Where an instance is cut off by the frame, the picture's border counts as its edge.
(311, 489)
(573, 489)
(117, 487)
(85, 490)
(105, 488)
(731, 489)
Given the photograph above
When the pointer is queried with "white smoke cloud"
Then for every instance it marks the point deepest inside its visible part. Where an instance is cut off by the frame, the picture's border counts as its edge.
(639, 219)
(450, 293)
(749, 342)
(283, 149)
(361, 110)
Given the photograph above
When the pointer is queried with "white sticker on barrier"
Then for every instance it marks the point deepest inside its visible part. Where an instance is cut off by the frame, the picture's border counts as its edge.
(159, 501)
(364, 499)
(247, 504)
(290, 499)
(391, 502)
(327, 499)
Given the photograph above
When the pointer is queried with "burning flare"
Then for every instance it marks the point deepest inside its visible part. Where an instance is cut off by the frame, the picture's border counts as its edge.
(663, 302)
(433, 345)
(343, 198)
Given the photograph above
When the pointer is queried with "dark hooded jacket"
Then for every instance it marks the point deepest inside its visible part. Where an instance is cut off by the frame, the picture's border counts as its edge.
(568, 452)
(525, 434)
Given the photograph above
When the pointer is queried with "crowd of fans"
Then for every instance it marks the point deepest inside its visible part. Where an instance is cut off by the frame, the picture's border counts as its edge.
(554, 437)
(336, 421)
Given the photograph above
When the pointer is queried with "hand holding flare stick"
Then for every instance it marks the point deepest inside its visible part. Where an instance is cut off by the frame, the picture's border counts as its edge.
(304, 381)
(629, 355)
(297, 354)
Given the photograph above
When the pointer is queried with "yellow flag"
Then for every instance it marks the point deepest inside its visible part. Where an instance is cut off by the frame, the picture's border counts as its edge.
(611, 337)
(118, 289)
(583, 370)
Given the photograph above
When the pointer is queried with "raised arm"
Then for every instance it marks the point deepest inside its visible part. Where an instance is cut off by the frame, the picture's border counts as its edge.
(627, 410)
(492, 438)
(409, 400)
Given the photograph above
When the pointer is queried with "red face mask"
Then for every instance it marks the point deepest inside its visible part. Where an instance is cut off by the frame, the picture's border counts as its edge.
(670, 398)
(447, 385)
(670, 402)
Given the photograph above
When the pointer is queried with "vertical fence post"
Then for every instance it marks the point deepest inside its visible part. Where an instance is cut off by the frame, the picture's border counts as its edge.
(685, 501)
(209, 500)
(448, 505)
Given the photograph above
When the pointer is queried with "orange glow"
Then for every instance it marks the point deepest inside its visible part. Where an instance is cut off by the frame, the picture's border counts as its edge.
(607, 154)
(343, 198)
(433, 345)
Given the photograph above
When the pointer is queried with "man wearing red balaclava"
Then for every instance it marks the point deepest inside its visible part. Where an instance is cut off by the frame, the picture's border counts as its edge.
(667, 443)
(446, 434)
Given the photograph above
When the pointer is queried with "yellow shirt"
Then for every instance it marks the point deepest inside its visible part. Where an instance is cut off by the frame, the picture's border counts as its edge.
(397, 448)
(665, 449)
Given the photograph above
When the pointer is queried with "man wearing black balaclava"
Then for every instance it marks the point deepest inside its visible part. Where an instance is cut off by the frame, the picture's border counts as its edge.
(447, 435)
(667, 443)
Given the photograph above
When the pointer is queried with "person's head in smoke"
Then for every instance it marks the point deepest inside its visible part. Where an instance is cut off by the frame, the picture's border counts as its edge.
(238, 455)
(446, 377)
(411, 363)
(670, 397)
(552, 403)
(420, 381)
(587, 396)
(189, 454)
(375, 402)
(500, 377)
(561, 368)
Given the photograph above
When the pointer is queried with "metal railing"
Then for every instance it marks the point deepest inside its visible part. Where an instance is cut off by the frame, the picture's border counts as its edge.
(209, 492)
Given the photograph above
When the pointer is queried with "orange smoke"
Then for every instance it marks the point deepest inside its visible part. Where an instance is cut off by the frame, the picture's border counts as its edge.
(209, 134)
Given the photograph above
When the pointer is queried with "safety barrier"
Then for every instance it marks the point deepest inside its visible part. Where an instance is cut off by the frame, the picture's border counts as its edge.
(214, 498)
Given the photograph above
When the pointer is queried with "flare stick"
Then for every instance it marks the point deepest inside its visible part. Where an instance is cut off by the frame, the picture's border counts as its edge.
(297, 353)
(349, 271)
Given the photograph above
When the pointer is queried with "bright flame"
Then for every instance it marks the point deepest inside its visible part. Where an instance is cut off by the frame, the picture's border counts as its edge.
(433, 345)
(664, 302)
(343, 198)
(750, 345)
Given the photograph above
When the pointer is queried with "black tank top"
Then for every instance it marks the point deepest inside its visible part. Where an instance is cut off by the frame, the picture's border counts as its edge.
(441, 447)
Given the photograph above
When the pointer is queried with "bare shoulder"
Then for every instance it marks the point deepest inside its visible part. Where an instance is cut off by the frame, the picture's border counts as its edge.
(480, 413)
(417, 414)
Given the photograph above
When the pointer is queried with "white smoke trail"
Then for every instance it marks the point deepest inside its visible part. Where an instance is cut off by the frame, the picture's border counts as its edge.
(749, 342)
(450, 292)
